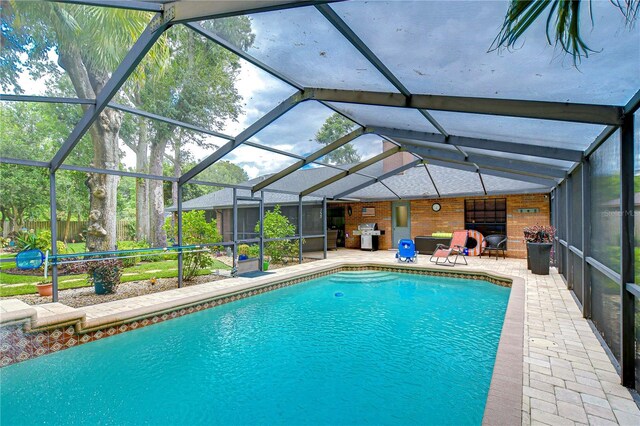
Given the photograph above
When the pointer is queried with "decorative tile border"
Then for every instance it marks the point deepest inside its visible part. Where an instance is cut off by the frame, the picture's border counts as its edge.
(17, 344)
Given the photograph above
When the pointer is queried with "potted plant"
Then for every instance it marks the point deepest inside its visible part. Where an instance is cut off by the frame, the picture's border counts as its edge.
(539, 242)
(243, 252)
(105, 275)
(248, 258)
(45, 288)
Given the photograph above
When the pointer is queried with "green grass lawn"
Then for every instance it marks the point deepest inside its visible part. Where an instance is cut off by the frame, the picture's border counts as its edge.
(76, 247)
(142, 271)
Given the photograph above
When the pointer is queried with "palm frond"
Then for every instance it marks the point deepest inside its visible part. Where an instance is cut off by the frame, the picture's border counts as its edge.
(562, 26)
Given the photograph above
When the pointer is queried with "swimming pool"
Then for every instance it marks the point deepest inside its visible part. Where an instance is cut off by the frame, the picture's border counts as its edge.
(349, 348)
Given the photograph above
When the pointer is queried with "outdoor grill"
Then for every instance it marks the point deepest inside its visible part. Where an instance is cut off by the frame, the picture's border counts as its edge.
(369, 235)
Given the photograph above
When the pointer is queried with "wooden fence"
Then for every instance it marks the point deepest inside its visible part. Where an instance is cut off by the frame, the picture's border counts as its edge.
(77, 229)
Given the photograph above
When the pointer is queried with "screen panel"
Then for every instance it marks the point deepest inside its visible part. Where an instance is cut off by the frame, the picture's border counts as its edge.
(455, 182)
(605, 309)
(519, 130)
(606, 203)
(304, 178)
(36, 131)
(500, 185)
(455, 62)
(575, 263)
(43, 44)
(303, 45)
(246, 164)
(356, 151)
(382, 116)
(576, 208)
(304, 129)
(205, 85)
(412, 183)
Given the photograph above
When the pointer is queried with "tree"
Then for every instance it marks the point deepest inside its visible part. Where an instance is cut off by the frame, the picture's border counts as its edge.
(220, 172)
(565, 16)
(197, 87)
(277, 225)
(334, 128)
(89, 42)
(29, 131)
(195, 230)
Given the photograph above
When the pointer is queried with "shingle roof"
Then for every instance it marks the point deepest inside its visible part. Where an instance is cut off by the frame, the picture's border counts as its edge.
(413, 183)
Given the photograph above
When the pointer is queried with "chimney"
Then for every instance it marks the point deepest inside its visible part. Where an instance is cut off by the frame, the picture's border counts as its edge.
(396, 160)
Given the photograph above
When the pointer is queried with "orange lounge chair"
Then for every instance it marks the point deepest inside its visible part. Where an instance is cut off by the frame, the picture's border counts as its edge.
(456, 248)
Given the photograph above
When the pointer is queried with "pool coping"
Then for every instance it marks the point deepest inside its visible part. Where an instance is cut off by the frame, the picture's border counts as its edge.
(33, 331)
(504, 402)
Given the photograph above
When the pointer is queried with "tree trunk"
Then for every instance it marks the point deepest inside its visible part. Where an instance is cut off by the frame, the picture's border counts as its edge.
(101, 233)
(67, 225)
(142, 185)
(158, 236)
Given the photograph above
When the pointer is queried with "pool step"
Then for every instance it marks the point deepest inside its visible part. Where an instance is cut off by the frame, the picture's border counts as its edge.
(360, 276)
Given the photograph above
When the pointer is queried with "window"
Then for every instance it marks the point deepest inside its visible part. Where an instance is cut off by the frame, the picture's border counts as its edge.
(486, 216)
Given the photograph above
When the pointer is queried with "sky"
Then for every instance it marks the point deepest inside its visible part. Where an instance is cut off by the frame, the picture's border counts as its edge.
(433, 47)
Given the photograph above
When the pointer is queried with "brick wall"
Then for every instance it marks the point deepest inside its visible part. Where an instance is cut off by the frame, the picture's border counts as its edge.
(424, 221)
(382, 218)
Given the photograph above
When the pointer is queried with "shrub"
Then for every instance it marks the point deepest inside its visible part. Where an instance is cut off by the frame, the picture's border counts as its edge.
(26, 240)
(105, 272)
(277, 225)
(195, 231)
(5, 242)
(539, 234)
(130, 245)
(29, 240)
(243, 249)
(254, 250)
(43, 243)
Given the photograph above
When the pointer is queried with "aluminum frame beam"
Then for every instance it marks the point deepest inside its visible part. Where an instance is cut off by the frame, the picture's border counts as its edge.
(490, 162)
(346, 31)
(379, 179)
(352, 170)
(634, 103)
(191, 10)
(263, 122)
(119, 4)
(433, 182)
(120, 75)
(22, 162)
(53, 209)
(554, 153)
(508, 175)
(152, 116)
(452, 195)
(70, 167)
(600, 139)
(484, 188)
(586, 237)
(309, 159)
(6, 97)
(560, 111)
(627, 258)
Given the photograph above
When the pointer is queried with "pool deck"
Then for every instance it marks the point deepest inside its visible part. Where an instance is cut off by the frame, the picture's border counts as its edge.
(567, 377)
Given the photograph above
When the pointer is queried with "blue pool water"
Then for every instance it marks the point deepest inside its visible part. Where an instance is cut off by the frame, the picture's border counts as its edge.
(391, 349)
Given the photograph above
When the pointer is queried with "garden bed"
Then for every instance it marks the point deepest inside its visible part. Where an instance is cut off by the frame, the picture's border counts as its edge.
(85, 296)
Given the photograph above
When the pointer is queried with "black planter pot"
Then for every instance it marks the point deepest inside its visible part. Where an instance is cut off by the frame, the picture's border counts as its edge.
(539, 257)
(528, 259)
